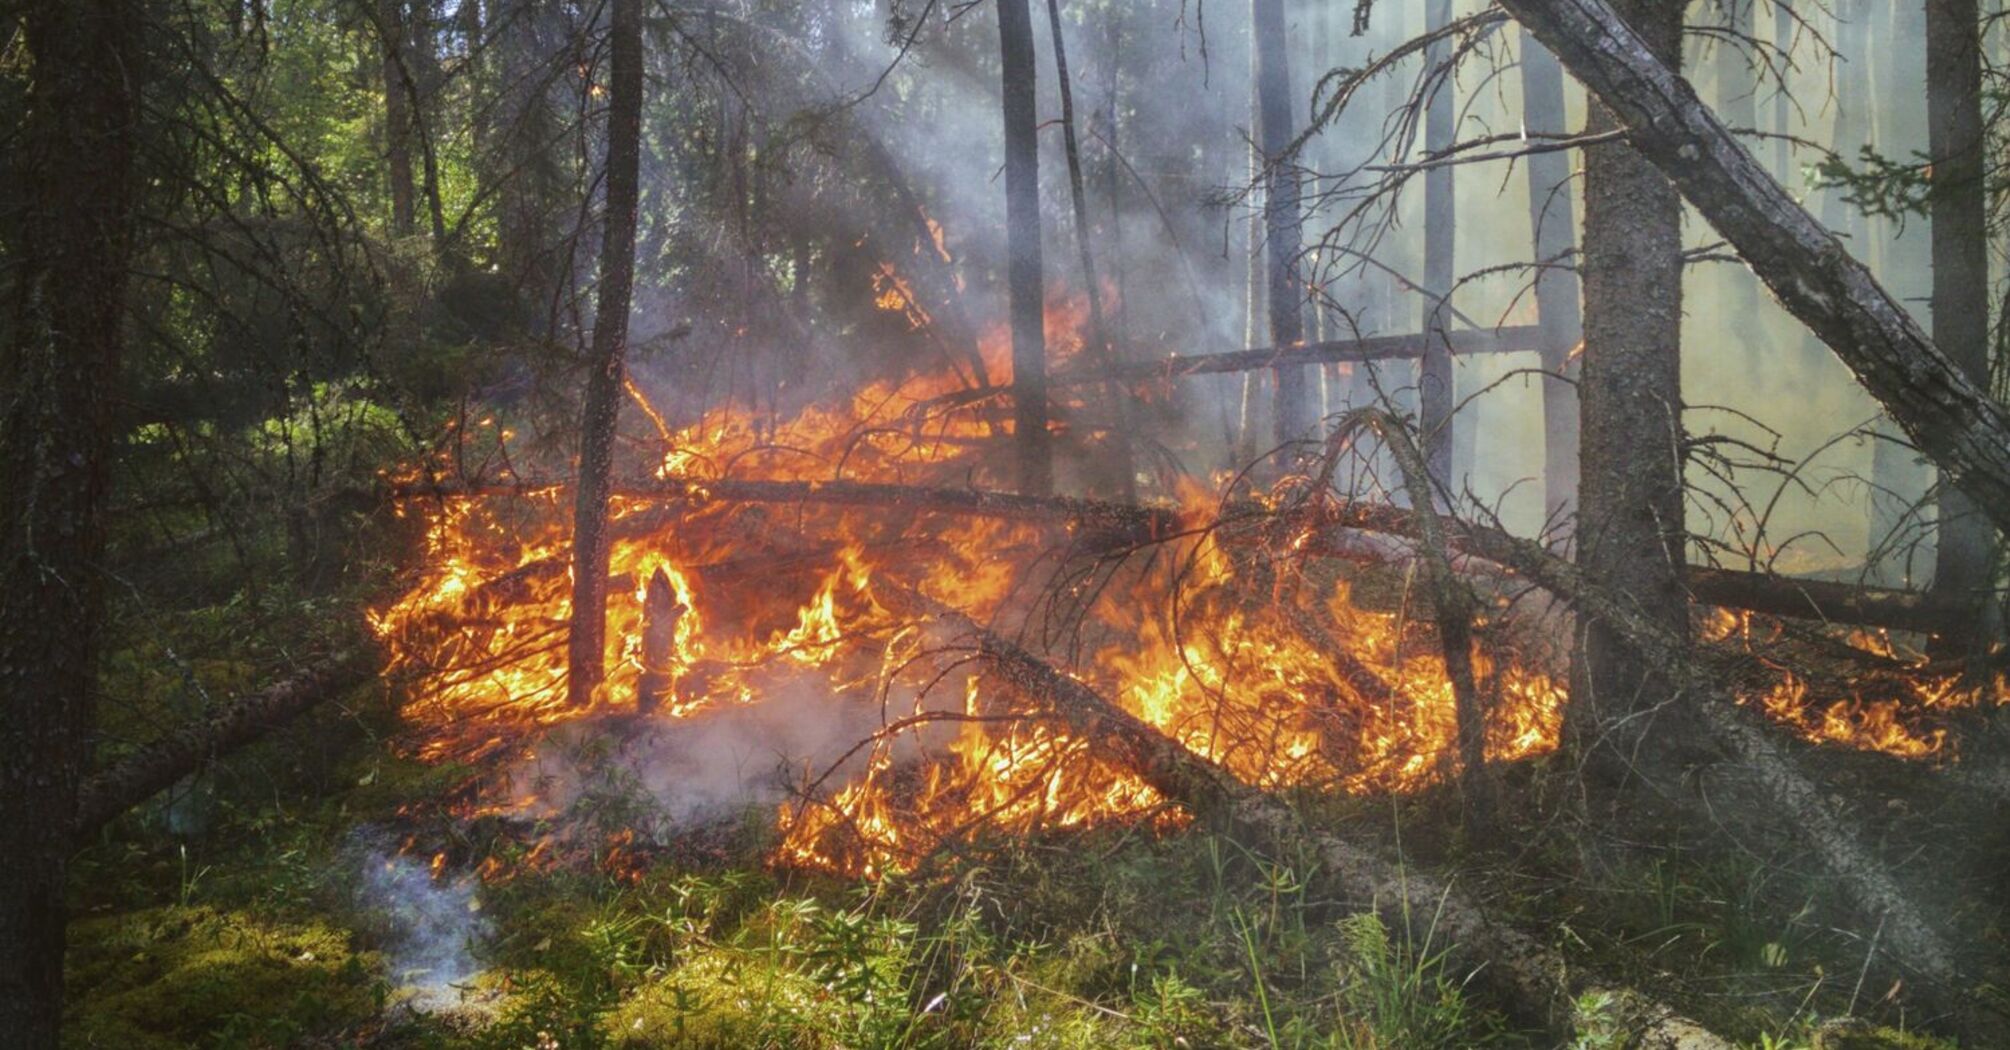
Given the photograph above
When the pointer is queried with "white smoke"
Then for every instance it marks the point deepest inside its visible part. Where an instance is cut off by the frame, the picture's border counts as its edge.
(431, 927)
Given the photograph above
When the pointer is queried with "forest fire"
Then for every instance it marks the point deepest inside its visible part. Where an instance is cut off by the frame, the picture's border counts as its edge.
(1246, 658)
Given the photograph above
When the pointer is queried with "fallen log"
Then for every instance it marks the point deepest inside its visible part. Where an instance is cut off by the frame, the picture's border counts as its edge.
(159, 764)
(1406, 347)
(1535, 980)
(1824, 600)
(1952, 419)
(1119, 522)
(1828, 832)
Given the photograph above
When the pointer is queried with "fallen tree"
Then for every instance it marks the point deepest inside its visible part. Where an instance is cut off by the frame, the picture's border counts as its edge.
(1128, 523)
(1823, 828)
(157, 765)
(1955, 422)
(1406, 347)
(1536, 981)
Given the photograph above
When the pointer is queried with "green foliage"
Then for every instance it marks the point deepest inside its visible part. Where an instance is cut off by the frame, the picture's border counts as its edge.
(197, 976)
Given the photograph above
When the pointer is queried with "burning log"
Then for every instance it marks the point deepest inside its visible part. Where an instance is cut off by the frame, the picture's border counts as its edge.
(1530, 977)
(1121, 523)
(157, 766)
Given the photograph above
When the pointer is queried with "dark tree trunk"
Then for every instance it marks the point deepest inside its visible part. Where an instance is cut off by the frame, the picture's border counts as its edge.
(1951, 418)
(1435, 381)
(1282, 231)
(1553, 217)
(519, 159)
(1022, 234)
(1099, 333)
(67, 283)
(397, 116)
(1630, 474)
(606, 360)
(1960, 212)
(423, 80)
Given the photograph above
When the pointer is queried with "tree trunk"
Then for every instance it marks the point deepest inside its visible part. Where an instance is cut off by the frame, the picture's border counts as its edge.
(1099, 333)
(586, 645)
(1629, 529)
(58, 368)
(397, 116)
(1022, 234)
(1435, 381)
(1965, 559)
(1282, 227)
(1950, 417)
(1553, 218)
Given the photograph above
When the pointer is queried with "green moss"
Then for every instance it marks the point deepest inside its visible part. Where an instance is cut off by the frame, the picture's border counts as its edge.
(719, 1000)
(176, 977)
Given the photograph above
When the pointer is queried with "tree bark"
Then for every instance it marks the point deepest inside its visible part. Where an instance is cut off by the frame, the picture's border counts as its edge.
(1629, 529)
(58, 372)
(397, 117)
(1436, 382)
(1282, 225)
(585, 647)
(1951, 418)
(157, 766)
(1099, 333)
(1022, 235)
(1559, 315)
(1964, 561)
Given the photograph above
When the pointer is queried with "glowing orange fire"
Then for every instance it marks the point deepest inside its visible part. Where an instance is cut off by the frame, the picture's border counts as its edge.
(783, 595)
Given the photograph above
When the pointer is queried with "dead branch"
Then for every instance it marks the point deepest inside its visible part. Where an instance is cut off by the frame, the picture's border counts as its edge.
(1451, 597)
(158, 765)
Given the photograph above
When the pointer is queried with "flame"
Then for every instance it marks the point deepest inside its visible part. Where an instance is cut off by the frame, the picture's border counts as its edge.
(1228, 650)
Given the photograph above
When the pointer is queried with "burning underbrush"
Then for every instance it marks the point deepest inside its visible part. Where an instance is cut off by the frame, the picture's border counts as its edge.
(770, 644)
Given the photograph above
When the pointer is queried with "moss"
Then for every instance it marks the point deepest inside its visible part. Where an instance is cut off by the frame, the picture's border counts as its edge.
(718, 1000)
(177, 976)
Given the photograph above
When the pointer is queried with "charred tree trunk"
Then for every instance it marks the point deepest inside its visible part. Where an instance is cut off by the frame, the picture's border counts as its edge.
(1964, 561)
(397, 117)
(586, 645)
(1553, 218)
(1629, 530)
(1099, 332)
(1947, 415)
(1282, 227)
(1435, 382)
(58, 368)
(1022, 234)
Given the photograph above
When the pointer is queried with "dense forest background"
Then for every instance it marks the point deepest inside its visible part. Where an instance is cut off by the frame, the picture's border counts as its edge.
(941, 523)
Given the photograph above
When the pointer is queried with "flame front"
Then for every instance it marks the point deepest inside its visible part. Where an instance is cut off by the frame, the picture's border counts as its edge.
(1232, 651)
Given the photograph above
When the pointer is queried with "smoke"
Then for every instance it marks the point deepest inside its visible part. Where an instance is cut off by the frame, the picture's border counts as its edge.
(657, 776)
(431, 925)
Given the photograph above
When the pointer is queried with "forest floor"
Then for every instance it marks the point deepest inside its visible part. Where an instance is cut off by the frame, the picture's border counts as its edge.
(317, 890)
